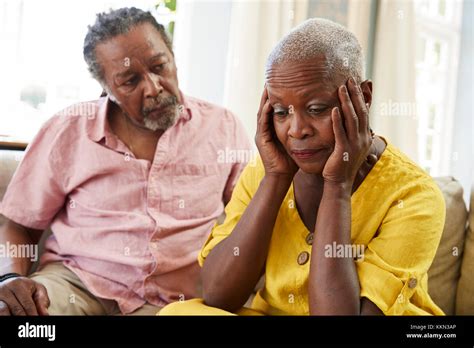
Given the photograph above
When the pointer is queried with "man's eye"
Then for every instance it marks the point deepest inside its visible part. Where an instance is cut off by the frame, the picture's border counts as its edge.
(159, 67)
(130, 82)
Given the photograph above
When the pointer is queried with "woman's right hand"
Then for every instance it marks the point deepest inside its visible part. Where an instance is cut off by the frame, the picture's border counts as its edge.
(274, 156)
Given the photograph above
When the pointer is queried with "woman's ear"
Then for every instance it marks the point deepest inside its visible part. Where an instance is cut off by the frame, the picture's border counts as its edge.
(366, 88)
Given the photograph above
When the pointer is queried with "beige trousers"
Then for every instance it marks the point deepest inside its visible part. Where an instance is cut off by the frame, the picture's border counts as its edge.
(69, 296)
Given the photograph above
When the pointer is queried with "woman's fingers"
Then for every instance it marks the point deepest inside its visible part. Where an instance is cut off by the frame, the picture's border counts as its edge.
(358, 103)
(265, 118)
(262, 115)
(350, 117)
(263, 100)
(337, 127)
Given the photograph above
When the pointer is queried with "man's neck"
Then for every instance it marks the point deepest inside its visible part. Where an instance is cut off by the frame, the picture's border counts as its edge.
(121, 119)
(140, 140)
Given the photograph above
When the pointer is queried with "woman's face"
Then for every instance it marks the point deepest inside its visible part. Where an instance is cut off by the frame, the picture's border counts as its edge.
(302, 95)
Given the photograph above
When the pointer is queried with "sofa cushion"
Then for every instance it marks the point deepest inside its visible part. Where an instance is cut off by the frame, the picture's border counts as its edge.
(465, 295)
(444, 272)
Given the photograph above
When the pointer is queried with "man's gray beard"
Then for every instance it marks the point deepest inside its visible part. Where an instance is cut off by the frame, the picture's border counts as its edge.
(165, 121)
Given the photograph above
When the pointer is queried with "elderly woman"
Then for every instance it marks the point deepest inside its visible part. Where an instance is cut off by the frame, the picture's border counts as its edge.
(338, 220)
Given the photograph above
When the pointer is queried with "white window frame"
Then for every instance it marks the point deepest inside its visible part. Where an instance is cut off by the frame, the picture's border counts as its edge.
(447, 29)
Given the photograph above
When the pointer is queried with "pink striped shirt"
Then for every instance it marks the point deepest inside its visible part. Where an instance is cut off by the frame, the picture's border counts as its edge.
(130, 229)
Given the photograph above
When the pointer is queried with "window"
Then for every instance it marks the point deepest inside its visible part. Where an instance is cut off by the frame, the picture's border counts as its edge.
(41, 64)
(438, 38)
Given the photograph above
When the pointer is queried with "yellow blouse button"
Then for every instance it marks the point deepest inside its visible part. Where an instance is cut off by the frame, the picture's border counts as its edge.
(303, 257)
(309, 238)
(412, 283)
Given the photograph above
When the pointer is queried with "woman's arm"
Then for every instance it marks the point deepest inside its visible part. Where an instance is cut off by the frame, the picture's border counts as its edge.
(334, 285)
(234, 266)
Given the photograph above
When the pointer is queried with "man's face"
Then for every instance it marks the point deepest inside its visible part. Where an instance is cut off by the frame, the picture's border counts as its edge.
(140, 73)
(302, 96)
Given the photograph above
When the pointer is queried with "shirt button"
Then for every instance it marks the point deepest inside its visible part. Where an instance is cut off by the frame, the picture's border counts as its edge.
(412, 283)
(309, 238)
(303, 257)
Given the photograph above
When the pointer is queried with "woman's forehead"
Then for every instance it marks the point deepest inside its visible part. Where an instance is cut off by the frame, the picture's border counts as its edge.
(317, 66)
(304, 77)
(301, 91)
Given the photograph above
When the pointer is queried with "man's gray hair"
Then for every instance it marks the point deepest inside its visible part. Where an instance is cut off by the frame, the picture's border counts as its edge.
(318, 36)
(112, 24)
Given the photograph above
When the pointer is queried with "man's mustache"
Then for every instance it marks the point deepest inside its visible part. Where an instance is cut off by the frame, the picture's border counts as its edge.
(160, 103)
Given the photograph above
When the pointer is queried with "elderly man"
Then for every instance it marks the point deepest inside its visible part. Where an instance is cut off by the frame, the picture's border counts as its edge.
(335, 216)
(130, 184)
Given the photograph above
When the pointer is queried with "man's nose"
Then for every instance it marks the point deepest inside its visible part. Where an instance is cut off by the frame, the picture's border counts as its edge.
(152, 86)
(299, 126)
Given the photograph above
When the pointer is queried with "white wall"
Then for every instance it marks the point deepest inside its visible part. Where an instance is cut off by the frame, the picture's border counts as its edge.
(200, 46)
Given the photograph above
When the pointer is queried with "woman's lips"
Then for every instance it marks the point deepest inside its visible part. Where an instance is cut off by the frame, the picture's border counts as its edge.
(307, 153)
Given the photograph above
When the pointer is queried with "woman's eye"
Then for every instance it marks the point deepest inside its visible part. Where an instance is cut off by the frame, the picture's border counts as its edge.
(316, 110)
(280, 113)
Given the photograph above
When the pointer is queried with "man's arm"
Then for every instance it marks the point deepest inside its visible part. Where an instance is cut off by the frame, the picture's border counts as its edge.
(20, 295)
(35, 194)
(17, 234)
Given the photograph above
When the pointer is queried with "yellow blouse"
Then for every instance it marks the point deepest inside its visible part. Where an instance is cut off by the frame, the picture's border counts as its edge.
(398, 216)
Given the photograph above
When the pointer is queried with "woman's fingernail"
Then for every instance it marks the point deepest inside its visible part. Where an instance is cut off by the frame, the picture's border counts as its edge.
(344, 89)
(351, 80)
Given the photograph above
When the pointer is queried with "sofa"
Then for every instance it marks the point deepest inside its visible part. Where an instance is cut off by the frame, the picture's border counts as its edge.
(451, 276)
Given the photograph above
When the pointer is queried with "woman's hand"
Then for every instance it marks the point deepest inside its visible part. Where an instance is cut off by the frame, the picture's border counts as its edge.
(274, 157)
(352, 143)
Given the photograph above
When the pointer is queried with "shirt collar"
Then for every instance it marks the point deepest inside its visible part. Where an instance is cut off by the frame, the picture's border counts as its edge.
(186, 111)
(98, 126)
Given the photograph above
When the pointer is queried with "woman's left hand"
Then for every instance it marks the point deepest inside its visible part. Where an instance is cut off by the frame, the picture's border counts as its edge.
(353, 143)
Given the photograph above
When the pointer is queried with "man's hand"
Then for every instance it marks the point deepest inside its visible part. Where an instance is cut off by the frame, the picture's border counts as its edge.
(353, 142)
(274, 157)
(22, 296)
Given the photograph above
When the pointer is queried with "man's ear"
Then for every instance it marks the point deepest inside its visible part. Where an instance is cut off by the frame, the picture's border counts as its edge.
(366, 88)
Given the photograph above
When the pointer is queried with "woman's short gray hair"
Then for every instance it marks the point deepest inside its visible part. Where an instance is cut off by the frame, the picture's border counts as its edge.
(318, 36)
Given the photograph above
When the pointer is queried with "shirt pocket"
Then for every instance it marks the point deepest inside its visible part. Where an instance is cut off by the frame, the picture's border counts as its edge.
(197, 190)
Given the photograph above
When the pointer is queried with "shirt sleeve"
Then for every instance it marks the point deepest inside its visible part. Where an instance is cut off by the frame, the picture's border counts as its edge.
(244, 191)
(35, 193)
(393, 270)
(242, 146)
